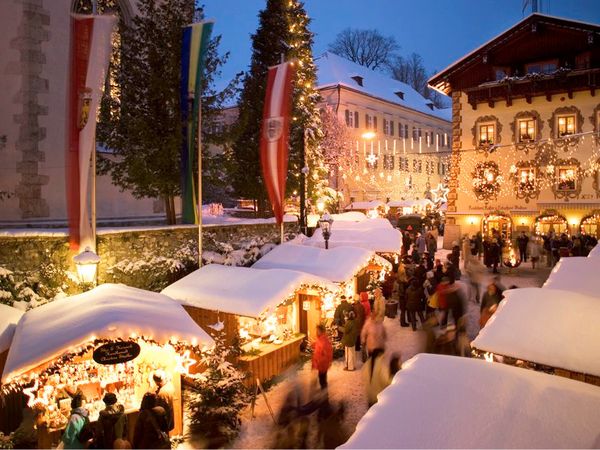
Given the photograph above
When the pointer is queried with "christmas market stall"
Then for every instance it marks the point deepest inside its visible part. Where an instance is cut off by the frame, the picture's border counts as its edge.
(470, 403)
(9, 318)
(112, 339)
(401, 207)
(350, 267)
(575, 274)
(595, 252)
(269, 312)
(373, 208)
(551, 330)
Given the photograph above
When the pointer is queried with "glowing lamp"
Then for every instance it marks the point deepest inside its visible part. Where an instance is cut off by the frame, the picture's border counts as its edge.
(368, 135)
(321, 206)
(325, 223)
(86, 263)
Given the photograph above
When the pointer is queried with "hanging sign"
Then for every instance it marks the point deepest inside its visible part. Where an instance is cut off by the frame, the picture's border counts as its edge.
(116, 352)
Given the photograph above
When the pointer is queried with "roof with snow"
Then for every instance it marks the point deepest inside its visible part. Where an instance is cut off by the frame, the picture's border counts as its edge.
(373, 204)
(575, 274)
(381, 240)
(410, 203)
(595, 252)
(243, 291)
(557, 328)
(9, 317)
(350, 216)
(333, 70)
(369, 224)
(471, 403)
(338, 264)
(109, 311)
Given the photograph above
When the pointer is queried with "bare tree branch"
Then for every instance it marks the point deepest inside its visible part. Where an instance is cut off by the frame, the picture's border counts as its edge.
(365, 47)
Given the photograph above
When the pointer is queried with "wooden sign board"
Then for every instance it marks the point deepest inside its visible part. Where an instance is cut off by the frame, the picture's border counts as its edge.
(116, 352)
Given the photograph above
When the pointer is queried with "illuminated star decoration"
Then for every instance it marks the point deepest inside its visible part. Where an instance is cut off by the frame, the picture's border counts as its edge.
(371, 159)
(440, 194)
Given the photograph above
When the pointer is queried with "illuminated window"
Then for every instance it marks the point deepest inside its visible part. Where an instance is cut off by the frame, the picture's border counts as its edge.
(566, 125)
(388, 162)
(527, 178)
(487, 134)
(566, 179)
(526, 130)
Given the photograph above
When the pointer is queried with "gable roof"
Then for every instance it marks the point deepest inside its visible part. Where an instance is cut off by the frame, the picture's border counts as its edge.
(440, 81)
(333, 70)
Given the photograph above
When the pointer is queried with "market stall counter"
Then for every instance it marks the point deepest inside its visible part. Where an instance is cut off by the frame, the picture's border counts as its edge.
(270, 311)
(112, 339)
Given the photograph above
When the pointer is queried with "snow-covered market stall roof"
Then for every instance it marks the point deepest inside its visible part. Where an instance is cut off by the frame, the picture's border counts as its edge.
(575, 274)
(243, 291)
(109, 311)
(595, 252)
(553, 327)
(380, 240)
(423, 203)
(350, 216)
(338, 264)
(470, 403)
(368, 224)
(360, 206)
(9, 318)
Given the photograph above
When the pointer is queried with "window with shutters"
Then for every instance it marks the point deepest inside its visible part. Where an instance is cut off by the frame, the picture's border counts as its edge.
(391, 127)
(388, 162)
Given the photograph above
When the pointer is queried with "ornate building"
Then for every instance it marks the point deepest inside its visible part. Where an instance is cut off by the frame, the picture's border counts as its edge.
(398, 142)
(525, 121)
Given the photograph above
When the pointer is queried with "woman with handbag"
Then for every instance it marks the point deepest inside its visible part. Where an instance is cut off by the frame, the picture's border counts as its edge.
(151, 426)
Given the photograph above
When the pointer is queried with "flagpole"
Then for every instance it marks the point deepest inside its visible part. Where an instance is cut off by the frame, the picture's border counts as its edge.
(93, 188)
(199, 100)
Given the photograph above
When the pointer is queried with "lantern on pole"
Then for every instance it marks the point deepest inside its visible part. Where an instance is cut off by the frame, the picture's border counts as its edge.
(325, 223)
(87, 263)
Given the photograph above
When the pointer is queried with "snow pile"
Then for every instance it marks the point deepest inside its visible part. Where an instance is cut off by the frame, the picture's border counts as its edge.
(447, 402)
(383, 240)
(595, 252)
(9, 317)
(373, 204)
(575, 274)
(333, 70)
(338, 264)
(350, 216)
(548, 326)
(241, 291)
(109, 311)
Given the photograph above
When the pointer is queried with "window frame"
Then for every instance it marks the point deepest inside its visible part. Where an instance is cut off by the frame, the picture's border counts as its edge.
(566, 167)
(566, 117)
(533, 137)
(487, 126)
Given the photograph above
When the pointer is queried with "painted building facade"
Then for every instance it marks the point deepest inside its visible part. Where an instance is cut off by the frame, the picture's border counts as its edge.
(525, 122)
(398, 141)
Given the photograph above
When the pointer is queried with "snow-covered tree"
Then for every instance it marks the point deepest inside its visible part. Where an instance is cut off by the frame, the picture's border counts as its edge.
(216, 397)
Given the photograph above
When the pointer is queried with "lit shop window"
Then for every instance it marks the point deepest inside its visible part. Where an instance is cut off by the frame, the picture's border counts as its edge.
(526, 130)
(566, 179)
(487, 134)
(566, 125)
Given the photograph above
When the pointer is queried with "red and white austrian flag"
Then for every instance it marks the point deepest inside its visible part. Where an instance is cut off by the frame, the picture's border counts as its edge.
(275, 134)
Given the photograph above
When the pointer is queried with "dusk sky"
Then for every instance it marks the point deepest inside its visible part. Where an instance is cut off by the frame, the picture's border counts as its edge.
(441, 31)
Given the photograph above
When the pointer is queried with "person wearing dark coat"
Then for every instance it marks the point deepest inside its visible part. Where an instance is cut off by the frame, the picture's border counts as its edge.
(151, 425)
(494, 254)
(414, 302)
(359, 314)
(349, 341)
(522, 242)
(112, 423)
(491, 297)
(339, 316)
(164, 396)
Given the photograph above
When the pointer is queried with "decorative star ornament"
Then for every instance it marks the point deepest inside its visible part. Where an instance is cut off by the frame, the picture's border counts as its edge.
(440, 194)
(371, 158)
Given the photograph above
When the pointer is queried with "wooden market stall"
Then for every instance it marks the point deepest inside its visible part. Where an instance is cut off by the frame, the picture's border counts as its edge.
(346, 266)
(576, 274)
(9, 318)
(470, 403)
(271, 311)
(551, 330)
(402, 207)
(110, 339)
(373, 208)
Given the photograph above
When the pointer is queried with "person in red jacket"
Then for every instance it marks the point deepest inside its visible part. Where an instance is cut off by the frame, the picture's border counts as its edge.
(364, 300)
(322, 355)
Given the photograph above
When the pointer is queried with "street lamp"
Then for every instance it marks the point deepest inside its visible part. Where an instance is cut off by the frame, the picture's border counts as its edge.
(87, 263)
(325, 223)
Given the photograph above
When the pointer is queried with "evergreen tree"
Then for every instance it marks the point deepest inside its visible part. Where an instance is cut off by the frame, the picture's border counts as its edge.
(282, 32)
(144, 130)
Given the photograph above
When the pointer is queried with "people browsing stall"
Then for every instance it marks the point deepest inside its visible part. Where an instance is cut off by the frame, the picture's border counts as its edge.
(151, 426)
(78, 433)
(338, 316)
(359, 314)
(349, 341)
(379, 305)
(112, 423)
(322, 355)
(164, 396)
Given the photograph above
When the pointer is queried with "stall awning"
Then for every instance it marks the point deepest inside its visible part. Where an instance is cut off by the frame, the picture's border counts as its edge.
(109, 311)
(553, 327)
(440, 401)
(338, 264)
(242, 291)
(381, 240)
(576, 274)
(9, 318)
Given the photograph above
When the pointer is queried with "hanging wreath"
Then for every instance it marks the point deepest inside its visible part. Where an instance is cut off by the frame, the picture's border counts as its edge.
(486, 180)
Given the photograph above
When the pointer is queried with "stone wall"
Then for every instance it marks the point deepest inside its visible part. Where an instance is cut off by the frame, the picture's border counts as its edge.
(24, 253)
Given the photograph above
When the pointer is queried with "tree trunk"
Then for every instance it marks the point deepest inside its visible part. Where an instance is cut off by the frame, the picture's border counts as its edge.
(170, 209)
